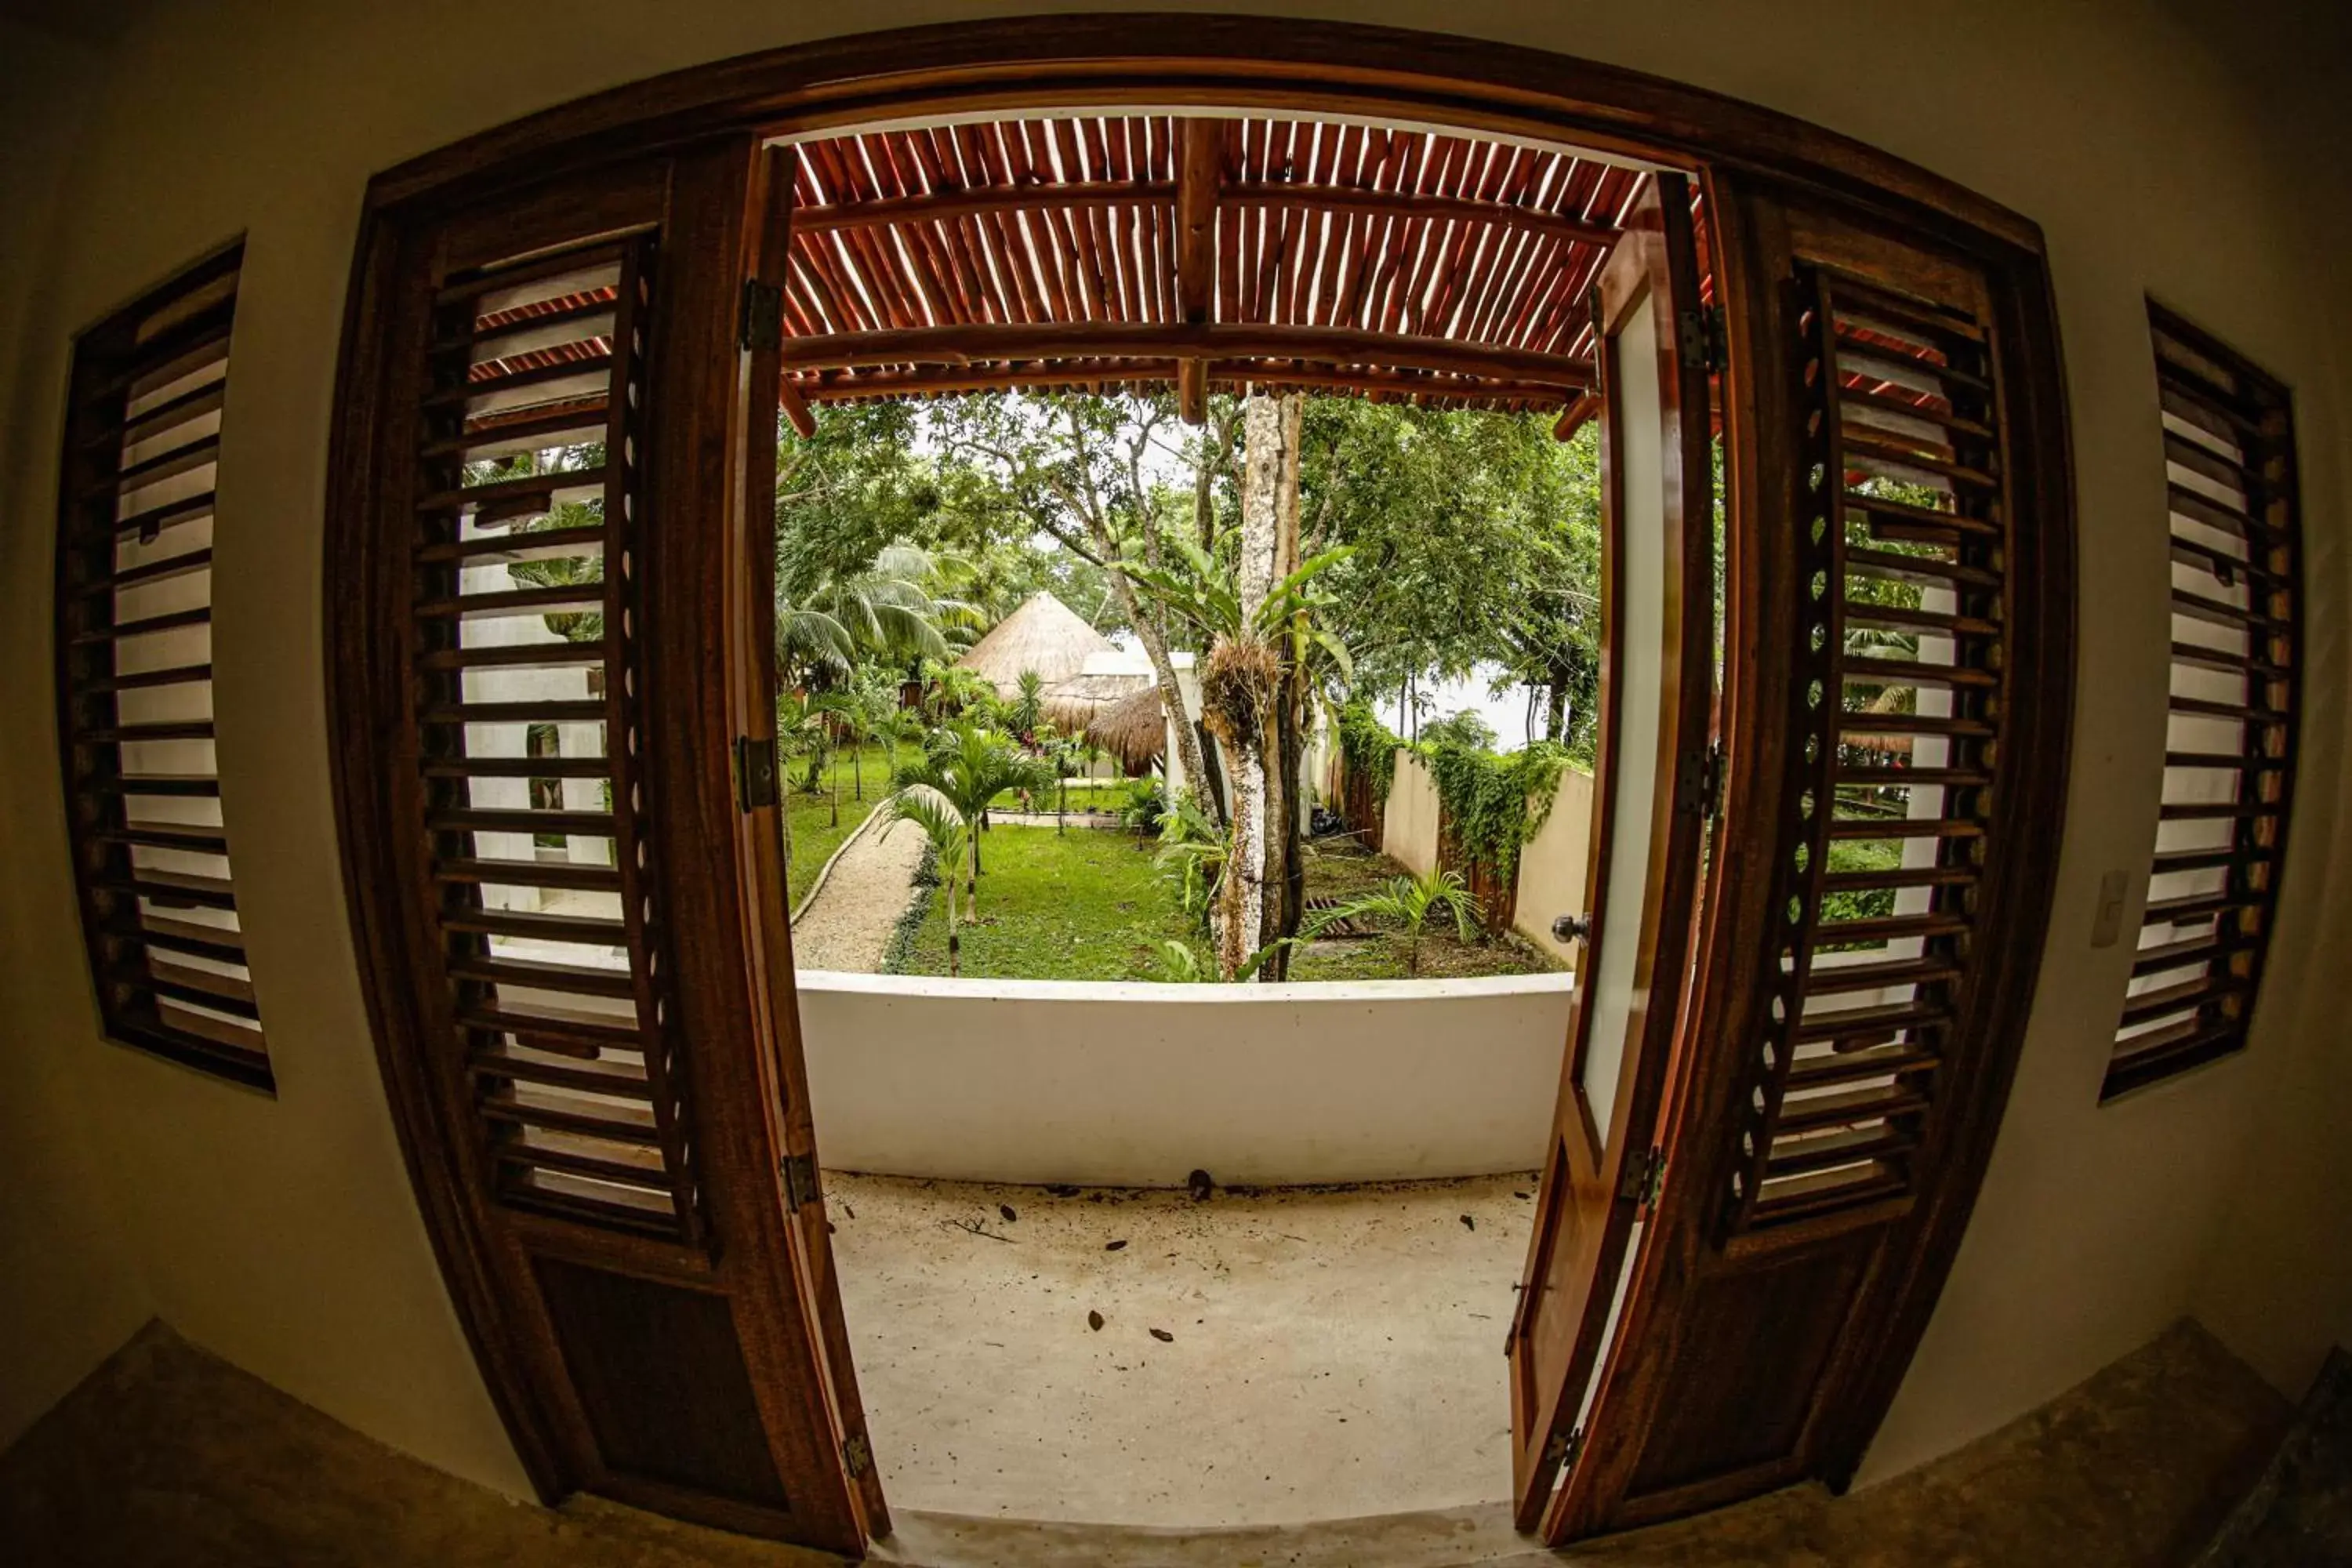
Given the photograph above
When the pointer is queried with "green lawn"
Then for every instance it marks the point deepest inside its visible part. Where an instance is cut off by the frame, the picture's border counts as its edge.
(1081, 905)
(1087, 905)
(814, 835)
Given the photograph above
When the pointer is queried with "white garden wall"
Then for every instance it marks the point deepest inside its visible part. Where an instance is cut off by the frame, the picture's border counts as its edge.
(1122, 1084)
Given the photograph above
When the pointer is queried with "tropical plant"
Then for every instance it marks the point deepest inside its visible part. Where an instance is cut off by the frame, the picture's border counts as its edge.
(1408, 902)
(800, 733)
(949, 829)
(970, 765)
(1023, 714)
(893, 610)
(1145, 804)
(1179, 962)
(1193, 852)
(1071, 756)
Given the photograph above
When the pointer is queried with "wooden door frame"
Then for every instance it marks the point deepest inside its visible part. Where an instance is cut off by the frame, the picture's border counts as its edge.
(1166, 60)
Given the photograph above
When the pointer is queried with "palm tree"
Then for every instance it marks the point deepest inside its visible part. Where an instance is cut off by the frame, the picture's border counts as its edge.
(1409, 901)
(799, 730)
(894, 611)
(832, 711)
(1021, 714)
(948, 830)
(970, 765)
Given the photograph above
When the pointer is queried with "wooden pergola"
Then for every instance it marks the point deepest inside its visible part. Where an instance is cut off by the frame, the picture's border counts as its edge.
(1150, 251)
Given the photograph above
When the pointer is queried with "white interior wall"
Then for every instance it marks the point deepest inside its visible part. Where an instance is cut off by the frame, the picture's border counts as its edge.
(283, 1231)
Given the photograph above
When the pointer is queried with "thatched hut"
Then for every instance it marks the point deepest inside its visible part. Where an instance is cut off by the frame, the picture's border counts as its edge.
(1043, 635)
(1134, 729)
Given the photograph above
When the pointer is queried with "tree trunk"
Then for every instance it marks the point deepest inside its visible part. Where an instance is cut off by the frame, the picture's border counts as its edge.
(954, 941)
(1260, 747)
(858, 765)
(1148, 632)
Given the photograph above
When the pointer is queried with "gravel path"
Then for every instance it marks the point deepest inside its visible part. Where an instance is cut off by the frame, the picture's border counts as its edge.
(849, 923)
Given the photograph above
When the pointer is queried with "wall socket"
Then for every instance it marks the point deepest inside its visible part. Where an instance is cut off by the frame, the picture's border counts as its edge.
(2108, 924)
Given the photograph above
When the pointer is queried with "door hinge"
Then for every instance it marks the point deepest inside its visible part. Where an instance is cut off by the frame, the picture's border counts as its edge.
(1700, 791)
(1701, 338)
(761, 324)
(856, 1456)
(755, 773)
(1564, 1449)
(799, 1173)
(1644, 1174)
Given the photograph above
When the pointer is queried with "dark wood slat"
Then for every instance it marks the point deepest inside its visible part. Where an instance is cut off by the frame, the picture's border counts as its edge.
(179, 565)
(150, 522)
(515, 656)
(563, 596)
(146, 626)
(598, 366)
(2243, 712)
(502, 819)
(621, 1125)
(194, 840)
(148, 472)
(136, 735)
(590, 930)
(587, 1031)
(1832, 1149)
(537, 975)
(1866, 444)
(1888, 928)
(1921, 569)
(2221, 614)
(1804, 1196)
(2216, 811)
(1902, 618)
(1897, 877)
(569, 874)
(1904, 828)
(488, 549)
(553, 711)
(2150, 1005)
(2200, 508)
(188, 936)
(180, 350)
(2199, 906)
(184, 784)
(539, 489)
(1870, 1104)
(1895, 777)
(588, 421)
(1827, 980)
(189, 406)
(176, 675)
(1853, 1023)
(560, 1072)
(169, 888)
(1927, 519)
(593, 305)
(1863, 669)
(592, 1159)
(517, 767)
(2211, 948)
(2228, 662)
(1930, 414)
(1850, 723)
(2204, 859)
(1845, 1067)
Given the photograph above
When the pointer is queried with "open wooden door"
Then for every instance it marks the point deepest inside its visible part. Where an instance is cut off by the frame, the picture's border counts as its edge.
(544, 486)
(1896, 713)
(1656, 683)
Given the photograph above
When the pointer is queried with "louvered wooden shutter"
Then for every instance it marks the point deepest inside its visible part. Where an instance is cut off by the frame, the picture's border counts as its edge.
(1880, 884)
(538, 578)
(2229, 757)
(527, 703)
(135, 677)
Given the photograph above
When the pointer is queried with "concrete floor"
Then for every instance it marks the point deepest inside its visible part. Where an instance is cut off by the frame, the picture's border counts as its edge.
(1330, 1353)
(168, 1455)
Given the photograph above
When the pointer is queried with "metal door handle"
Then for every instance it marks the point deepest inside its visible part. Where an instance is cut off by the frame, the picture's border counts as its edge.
(1571, 928)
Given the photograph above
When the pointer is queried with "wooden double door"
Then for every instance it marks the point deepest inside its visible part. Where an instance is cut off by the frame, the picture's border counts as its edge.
(1819, 881)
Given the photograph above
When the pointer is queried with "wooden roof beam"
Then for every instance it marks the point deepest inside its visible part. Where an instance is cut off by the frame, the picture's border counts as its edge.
(970, 344)
(979, 201)
(947, 381)
(1199, 171)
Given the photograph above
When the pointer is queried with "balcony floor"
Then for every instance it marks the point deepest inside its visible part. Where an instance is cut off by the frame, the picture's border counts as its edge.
(1333, 1352)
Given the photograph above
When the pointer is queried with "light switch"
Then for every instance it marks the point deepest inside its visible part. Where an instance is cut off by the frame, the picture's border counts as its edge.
(2107, 924)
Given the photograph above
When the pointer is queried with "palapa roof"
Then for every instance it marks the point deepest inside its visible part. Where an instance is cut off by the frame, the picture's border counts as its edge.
(1074, 703)
(1134, 728)
(1043, 635)
(1149, 250)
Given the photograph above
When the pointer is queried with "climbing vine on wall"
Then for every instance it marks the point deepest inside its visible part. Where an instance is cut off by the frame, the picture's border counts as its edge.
(1368, 748)
(1493, 803)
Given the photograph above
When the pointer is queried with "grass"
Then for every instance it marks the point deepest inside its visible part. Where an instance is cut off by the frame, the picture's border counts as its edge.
(1087, 905)
(814, 835)
(1081, 905)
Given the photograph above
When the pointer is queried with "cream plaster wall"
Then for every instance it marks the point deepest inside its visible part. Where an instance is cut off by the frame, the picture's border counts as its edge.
(1553, 865)
(282, 1233)
(1116, 1084)
(1409, 818)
